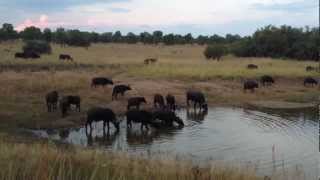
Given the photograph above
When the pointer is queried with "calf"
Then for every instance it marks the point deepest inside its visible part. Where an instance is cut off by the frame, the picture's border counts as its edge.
(67, 101)
(167, 118)
(52, 101)
(158, 100)
(101, 81)
(119, 89)
(101, 114)
(65, 57)
(266, 80)
(196, 97)
(139, 116)
(135, 101)
(171, 102)
(310, 81)
(250, 85)
(252, 66)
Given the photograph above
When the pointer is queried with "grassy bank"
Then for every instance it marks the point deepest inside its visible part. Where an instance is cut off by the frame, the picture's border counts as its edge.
(45, 161)
(180, 67)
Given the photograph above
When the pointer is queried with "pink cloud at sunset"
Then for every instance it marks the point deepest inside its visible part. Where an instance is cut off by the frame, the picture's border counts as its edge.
(42, 22)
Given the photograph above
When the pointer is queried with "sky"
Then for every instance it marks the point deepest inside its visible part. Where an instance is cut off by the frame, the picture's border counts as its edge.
(171, 16)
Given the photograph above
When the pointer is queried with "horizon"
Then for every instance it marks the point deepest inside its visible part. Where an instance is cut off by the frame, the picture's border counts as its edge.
(205, 18)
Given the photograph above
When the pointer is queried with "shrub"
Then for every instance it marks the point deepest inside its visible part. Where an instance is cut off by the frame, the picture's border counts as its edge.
(215, 51)
(37, 46)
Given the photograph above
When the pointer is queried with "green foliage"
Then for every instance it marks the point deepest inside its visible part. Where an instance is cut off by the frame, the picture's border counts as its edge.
(7, 32)
(37, 46)
(47, 35)
(215, 51)
(131, 38)
(78, 38)
(31, 33)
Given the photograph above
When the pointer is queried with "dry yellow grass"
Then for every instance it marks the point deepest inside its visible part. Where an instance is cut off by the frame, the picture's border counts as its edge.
(45, 162)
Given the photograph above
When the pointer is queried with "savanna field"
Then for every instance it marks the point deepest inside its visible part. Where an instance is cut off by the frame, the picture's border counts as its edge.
(179, 68)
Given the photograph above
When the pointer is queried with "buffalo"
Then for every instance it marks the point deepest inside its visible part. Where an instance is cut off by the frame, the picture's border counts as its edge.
(106, 115)
(52, 101)
(150, 61)
(65, 57)
(197, 97)
(158, 100)
(266, 80)
(27, 55)
(101, 81)
(171, 102)
(135, 101)
(167, 118)
(310, 81)
(67, 101)
(310, 68)
(120, 89)
(139, 116)
(252, 66)
(250, 85)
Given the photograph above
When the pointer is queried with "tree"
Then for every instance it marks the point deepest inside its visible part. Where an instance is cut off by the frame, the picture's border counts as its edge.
(215, 51)
(31, 33)
(188, 38)
(78, 38)
(157, 37)
(7, 32)
(61, 36)
(117, 37)
(106, 37)
(131, 38)
(47, 35)
(169, 39)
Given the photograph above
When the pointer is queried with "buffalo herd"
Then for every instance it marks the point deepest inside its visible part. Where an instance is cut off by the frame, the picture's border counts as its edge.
(161, 115)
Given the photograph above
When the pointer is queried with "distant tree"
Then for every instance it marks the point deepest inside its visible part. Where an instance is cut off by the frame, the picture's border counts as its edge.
(169, 39)
(60, 36)
(232, 38)
(215, 51)
(37, 46)
(178, 39)
(31, 33)
(78, 38)
(94, 37)
(201, 40)
(106, 37)
(117, 37)
(188, 38)
(131, 38)
(47, 35)
(216, 39)
(157, 37)
(7, 32)
(146, 38)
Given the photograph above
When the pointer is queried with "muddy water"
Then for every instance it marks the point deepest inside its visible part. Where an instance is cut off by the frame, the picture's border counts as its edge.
(269, 140)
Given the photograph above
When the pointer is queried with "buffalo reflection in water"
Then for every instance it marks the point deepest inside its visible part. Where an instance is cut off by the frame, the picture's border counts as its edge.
(106, 140)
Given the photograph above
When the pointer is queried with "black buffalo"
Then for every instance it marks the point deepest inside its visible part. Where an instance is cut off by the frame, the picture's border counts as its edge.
(310, 68)
(266, 80)
(27, 55)
(67, 101)
(101, 81)
(139, 116)
(158, 101)
(119, 89)
(250, 85)
(101, 114)
(252, 66)
(310, 81)
(136, 101)
(150, 61)
(52, 101)
(197, 97)
(171, 102)
(167, 118)
(65, 57)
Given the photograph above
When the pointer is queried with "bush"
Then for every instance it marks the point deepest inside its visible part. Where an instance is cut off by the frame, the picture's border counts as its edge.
(37, 46)
(215, 51)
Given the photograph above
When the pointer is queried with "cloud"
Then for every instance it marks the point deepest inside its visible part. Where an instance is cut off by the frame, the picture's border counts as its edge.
(42, 22)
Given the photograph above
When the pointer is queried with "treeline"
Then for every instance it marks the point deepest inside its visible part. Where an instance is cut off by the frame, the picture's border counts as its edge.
(270, 41)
